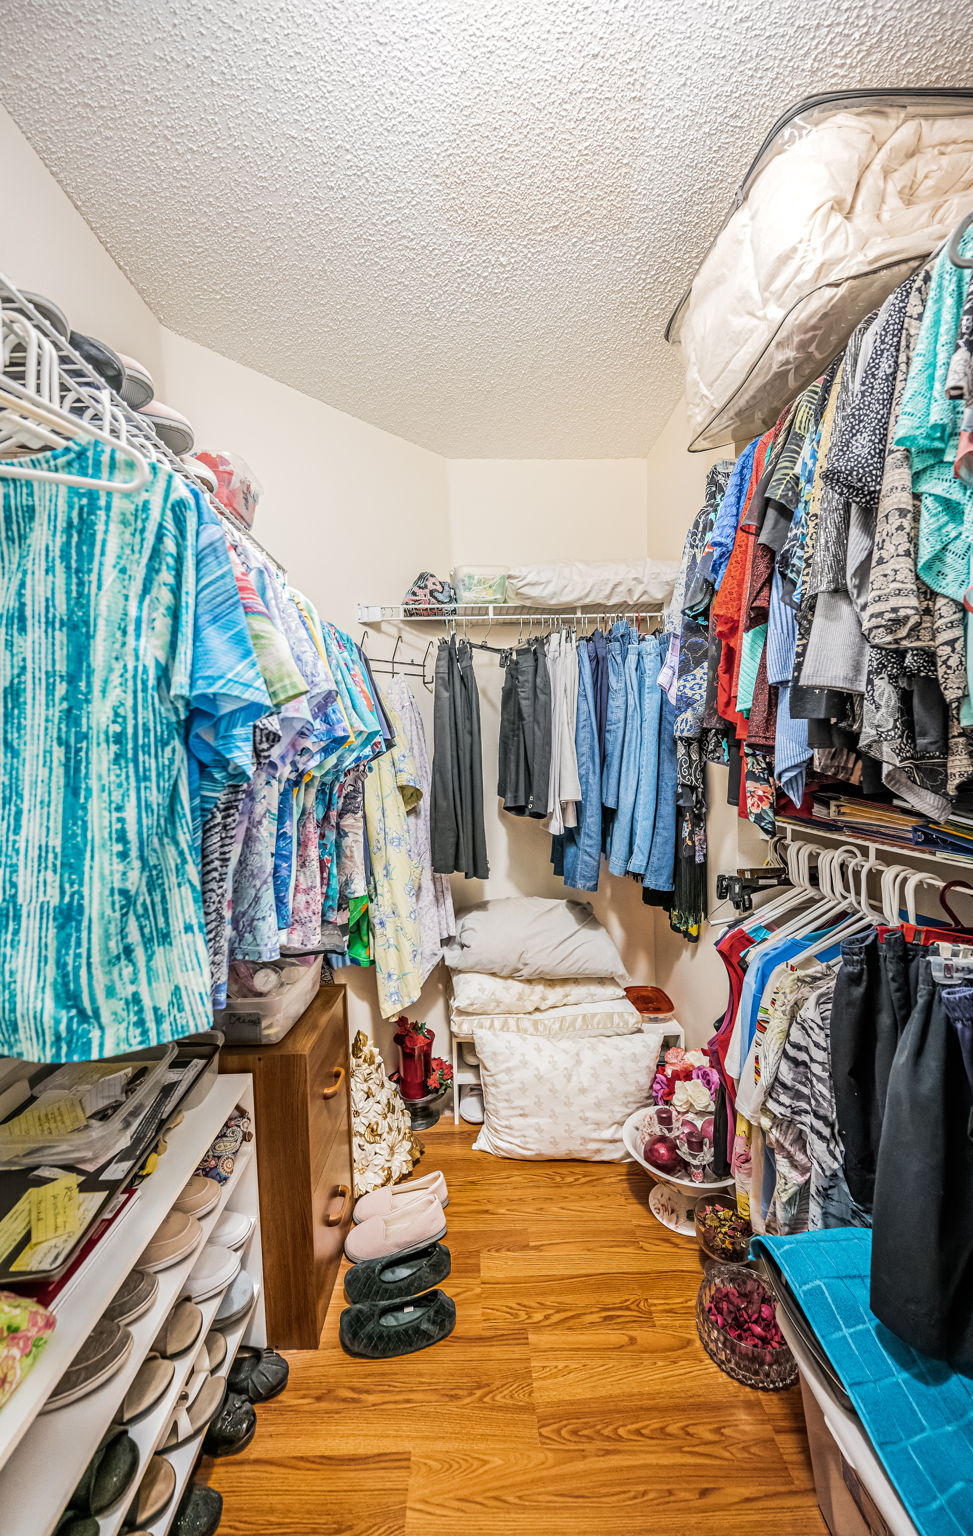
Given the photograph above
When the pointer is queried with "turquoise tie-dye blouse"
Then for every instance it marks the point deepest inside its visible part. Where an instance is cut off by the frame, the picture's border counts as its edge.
(102, 944)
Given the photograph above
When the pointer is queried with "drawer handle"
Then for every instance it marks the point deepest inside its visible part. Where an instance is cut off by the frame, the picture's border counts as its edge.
(339, 1077)
(335, 1220)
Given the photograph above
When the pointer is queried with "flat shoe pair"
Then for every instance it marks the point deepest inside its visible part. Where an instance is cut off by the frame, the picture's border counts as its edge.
(180, 1331)
(397, 1277)
(152, 1382)
(134, 1296)
(382, 1202)
(103, 1352)
(418, 1221)
(397, 1327)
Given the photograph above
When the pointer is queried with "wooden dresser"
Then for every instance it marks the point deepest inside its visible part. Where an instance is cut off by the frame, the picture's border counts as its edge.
(302, 1103)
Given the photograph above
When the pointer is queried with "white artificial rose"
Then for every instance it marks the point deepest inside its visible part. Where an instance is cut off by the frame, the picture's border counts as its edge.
(692, 1095)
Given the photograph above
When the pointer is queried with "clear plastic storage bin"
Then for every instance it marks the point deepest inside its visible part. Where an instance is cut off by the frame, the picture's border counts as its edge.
(265, 1020)
(480, 583)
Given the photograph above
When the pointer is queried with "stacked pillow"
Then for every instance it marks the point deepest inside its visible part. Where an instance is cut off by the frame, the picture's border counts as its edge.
(538, 986)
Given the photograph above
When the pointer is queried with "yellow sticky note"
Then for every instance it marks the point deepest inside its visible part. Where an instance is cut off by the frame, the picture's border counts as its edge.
(55, 1209)
(56, 1115)
(14, 1226)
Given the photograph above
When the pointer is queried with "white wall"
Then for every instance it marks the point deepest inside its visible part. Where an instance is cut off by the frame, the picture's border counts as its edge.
(46, 247)
(513, 511)
(355, 513)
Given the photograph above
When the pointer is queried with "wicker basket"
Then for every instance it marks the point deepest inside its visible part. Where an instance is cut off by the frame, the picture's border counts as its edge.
(769, 1370)
(713, 1255)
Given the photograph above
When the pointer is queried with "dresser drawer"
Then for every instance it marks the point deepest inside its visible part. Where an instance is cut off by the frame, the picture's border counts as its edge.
(329, 1097)
(326, 1044)
(332, 1201)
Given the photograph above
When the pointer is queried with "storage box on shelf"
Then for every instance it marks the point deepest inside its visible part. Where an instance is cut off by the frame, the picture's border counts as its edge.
(43, 1455)
(303, 1101)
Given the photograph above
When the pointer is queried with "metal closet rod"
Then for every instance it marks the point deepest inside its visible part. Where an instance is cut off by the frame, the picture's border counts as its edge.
(498, 613)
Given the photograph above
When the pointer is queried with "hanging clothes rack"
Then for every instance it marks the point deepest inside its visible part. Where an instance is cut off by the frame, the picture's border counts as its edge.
(499, 613)
(394, 666)
(93, 392)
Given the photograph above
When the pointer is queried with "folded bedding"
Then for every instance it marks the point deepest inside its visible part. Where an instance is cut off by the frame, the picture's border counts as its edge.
(481, 992)
(611, 1016)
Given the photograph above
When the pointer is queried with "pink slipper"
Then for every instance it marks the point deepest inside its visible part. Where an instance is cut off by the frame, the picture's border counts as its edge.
(417, 1224)
(382, 1202)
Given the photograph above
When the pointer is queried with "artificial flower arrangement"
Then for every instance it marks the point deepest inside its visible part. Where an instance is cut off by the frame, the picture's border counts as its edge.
(414, 1040)
(680, 1127)
(440, 1075)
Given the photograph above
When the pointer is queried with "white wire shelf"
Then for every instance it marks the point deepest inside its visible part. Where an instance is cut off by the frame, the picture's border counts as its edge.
(890, 851)
(497, 613)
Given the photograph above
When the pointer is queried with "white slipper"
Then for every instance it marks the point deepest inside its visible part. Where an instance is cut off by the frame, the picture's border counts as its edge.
(471, 1103)
(400, 1197)
(211, 1273)
(233, 1229)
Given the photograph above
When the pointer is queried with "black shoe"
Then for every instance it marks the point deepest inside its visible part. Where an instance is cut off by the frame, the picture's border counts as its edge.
(232, 1429)
(199, 1513)
(391, 1279)
(109, 1474)
(397, 1327)
(258, 1374)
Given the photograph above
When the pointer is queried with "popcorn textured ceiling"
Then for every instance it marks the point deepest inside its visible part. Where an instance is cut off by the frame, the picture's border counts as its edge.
(466, 221)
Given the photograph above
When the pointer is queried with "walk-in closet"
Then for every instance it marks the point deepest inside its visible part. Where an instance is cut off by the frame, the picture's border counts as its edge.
(486, 717)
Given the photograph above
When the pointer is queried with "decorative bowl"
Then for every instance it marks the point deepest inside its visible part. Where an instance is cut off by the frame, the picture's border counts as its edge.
(766, 1369)
(732, 1246)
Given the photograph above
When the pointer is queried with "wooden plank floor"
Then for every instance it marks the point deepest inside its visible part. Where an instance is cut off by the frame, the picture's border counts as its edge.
(573, 1398)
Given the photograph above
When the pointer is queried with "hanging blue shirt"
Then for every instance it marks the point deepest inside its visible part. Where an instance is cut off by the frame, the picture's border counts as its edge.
(716, 556)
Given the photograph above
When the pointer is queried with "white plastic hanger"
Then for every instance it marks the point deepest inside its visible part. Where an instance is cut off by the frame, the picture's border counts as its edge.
(49, 410)
(911, 887)
(47, 421)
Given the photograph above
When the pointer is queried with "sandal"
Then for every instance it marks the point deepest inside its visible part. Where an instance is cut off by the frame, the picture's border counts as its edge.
(215, 1349)
(152, 1382)
(180, 1331)
(134, 1296)
(258, 1374)
(232, 1429)
(155, 1493)
(192, 1417)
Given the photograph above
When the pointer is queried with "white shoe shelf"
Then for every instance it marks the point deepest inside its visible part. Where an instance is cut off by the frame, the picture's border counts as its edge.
(43, 1455)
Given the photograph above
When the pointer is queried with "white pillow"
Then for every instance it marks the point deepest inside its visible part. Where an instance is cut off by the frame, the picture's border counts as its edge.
(564, 1097)
(614, 1016)
(480, 992)
(530, 936)
(586, 583)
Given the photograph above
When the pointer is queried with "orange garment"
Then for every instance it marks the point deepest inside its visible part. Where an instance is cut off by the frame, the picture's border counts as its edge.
(728, 602)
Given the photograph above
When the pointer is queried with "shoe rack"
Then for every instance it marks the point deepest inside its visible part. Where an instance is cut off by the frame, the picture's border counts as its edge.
(43, 1455)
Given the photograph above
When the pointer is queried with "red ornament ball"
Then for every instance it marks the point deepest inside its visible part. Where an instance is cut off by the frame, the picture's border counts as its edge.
(662, 1153)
